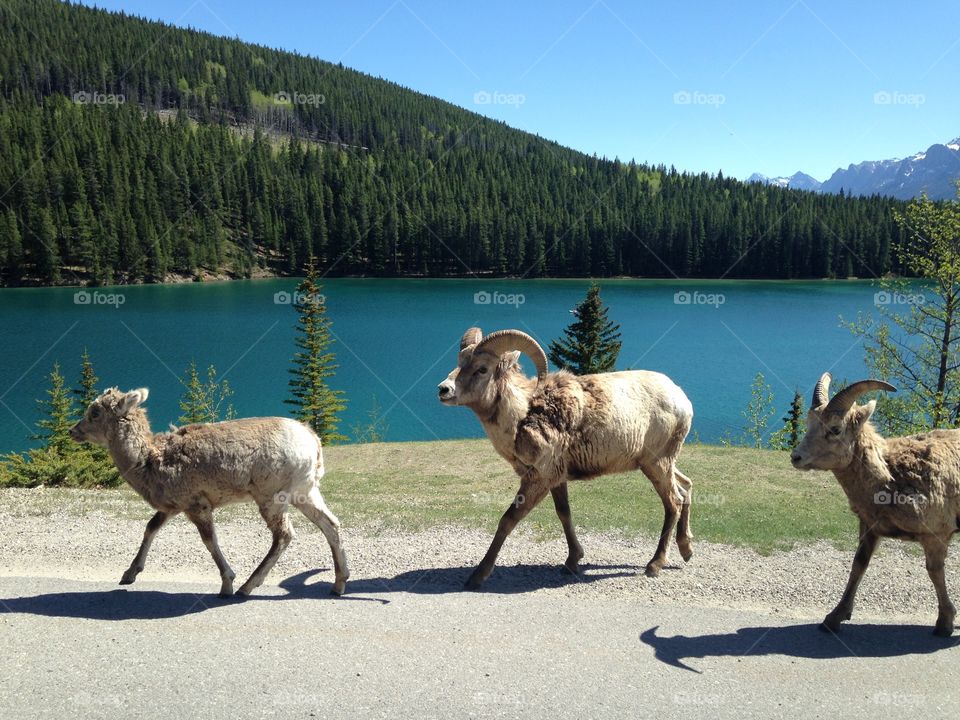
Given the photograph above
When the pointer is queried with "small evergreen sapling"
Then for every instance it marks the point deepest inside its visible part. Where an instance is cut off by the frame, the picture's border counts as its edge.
(591, 344)
(315, 402)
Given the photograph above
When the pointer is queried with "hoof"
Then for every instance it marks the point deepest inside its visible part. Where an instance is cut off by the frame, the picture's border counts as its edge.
(652, 571)
(686, 553)
(474, 582)
(243, 592)
(943, 630)
(127, 580)
(831, 623)
(571, 568)
(338, 588)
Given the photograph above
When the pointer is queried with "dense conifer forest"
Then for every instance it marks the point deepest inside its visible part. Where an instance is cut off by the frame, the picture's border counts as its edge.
(133, 151)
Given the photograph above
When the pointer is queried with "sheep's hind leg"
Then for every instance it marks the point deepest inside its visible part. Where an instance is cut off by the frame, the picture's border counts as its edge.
(935, 550)
(684, 536)
(526, 499)
(561, 502)
(275, 515)
(203, 519)
(317, 511)
(136, 567)
(662, 479)
(844, 609)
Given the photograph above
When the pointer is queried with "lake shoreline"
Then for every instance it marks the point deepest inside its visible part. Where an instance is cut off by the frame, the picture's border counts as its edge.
(180, 280)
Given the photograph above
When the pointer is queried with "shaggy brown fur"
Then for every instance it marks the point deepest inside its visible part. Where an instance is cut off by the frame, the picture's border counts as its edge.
(194, 469)
(906, 488)
(566, 428)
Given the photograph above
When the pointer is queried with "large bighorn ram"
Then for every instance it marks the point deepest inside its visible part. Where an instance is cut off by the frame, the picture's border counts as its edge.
(905, 487)
(561, 427)
(194, 469)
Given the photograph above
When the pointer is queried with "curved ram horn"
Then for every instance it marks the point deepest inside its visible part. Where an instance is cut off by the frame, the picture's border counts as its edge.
(502, 341)
(821, 393)
(471, 337)
(844, 399)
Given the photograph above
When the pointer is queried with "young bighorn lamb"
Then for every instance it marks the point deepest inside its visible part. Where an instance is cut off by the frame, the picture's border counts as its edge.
(905, 487)
(194, 469)
(560, 427)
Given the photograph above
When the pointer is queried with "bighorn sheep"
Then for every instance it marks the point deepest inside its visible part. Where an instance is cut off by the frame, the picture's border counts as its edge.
(905, 487)
(562, 427)
(196, 468)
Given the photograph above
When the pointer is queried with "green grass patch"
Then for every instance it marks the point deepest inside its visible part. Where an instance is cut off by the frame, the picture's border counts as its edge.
(741, 496)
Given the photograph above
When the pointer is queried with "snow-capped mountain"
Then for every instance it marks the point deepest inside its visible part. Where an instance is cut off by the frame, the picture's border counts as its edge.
(934, 171)
(797, 181)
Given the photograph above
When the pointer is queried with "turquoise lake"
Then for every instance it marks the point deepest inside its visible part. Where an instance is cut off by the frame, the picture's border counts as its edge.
(396, 339)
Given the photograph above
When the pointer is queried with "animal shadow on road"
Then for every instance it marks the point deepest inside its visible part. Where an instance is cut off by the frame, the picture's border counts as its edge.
(506, 579)
(136, 604)
(119, 604)
(143, 604)
(801, 641)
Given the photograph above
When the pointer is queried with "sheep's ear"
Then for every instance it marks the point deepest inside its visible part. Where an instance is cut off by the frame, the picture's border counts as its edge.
(862, 413)
(507, 360)
(133, 399)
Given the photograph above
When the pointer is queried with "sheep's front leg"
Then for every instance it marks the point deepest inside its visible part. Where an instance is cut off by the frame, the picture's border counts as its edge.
(844, 609)
(561, 502)
(935, 550)
(136, 567)
(279, 523)
(203, 519)
(526, 499)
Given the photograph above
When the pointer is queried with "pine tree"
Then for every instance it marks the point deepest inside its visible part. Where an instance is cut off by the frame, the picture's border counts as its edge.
(202, 402)
(591, 344)
(59, 415)
(794, 426)
(315, 402)
(87, 392)
(60, 460)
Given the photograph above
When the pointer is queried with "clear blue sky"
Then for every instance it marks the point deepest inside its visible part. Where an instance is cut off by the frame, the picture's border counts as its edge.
(773, 87)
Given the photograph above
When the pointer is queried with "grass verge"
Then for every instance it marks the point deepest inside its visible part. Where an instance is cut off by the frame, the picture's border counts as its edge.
(741, 496)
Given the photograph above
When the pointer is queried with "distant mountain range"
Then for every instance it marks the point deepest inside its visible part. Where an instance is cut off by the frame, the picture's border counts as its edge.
(797, 181)
(934, 171)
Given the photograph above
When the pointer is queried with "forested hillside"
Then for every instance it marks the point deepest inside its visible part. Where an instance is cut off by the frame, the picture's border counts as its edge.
(130, 150)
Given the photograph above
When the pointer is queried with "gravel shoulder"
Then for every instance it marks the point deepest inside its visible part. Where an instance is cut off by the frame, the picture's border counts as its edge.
(804, 582)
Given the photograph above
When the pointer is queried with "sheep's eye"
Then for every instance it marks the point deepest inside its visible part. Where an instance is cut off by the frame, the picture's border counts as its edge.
(481, 371)
(834, 431)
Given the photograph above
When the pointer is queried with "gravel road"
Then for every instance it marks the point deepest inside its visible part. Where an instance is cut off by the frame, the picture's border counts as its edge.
(732, 634)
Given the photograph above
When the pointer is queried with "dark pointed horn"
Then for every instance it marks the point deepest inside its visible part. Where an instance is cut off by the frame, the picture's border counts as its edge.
(845, 399)
(471, 337)
(821, 393)
(503, 341)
